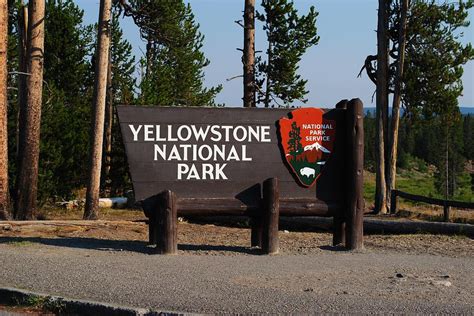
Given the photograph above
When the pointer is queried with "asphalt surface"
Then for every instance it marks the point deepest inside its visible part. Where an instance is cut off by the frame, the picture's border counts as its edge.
(330, 282)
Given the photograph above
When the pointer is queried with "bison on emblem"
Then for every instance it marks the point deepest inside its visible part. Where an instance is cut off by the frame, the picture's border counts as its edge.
(308, 172)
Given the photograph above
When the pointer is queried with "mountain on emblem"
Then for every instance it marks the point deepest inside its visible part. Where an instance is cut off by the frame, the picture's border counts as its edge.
(307, 142)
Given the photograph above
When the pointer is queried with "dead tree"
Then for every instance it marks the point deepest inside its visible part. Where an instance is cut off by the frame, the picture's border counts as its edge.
(391, 180)
(22, 90)
(97, 130)
(381, 105)
(28, 173)
(248, 58)
(109, 120)
(4, 205)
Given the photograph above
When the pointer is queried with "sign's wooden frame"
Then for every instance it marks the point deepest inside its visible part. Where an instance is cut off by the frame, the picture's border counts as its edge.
(164, 208)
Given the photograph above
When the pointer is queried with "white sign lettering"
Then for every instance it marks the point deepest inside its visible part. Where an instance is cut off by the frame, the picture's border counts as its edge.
(182, 143)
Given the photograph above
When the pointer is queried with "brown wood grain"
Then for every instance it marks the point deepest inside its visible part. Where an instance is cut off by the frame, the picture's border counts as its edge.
(271, 214)
(355, 173)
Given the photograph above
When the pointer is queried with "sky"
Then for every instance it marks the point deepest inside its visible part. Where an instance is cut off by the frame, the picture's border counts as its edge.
(347, 35)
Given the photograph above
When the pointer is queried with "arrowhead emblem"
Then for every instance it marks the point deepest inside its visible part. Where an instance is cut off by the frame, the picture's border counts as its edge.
(306, 139)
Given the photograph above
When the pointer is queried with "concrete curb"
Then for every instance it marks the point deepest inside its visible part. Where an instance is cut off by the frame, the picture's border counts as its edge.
(60, 305)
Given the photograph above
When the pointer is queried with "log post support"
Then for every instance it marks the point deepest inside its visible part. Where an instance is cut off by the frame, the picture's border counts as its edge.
(393, 202)
(151, 209)
(339, 230)
(355, 154)
(256, 226)
(339, 220)
(446, 211)
(271, 214)
(167, 237)
(152, 231)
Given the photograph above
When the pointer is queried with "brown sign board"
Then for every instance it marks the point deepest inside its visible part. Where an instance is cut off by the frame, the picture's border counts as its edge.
(261, 163)
(222, 153)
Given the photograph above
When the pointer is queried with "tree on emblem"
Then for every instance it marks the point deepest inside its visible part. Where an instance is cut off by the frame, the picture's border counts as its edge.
(294, 142)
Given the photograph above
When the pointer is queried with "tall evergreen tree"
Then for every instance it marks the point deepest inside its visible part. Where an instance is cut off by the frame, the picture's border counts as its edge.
(468, 130)
(248, 54)
(450, 161)
(381, 108)
(123, 65)
(91, 209)
(26, 204)
(431, 81)
(174, 64)
(4, 195)
(289, 36)
(67, 96)
(121, 91)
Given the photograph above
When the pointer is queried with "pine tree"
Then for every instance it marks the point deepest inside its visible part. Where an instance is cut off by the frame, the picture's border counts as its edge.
(123, 65)
(450, 161)
(91, 209)
(434, 57)
(468, 130)
(174, 65)
(4, 195)
(288, 36)
(28, 174)
(431, 81)
(122, 90)
(248, 55)
(67, 96)
(381, 108)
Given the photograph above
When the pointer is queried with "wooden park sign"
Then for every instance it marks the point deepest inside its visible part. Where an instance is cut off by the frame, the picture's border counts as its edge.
(262, 163)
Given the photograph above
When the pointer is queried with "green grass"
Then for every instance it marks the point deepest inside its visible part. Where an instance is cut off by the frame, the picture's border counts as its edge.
(47, 304)
(420, 183)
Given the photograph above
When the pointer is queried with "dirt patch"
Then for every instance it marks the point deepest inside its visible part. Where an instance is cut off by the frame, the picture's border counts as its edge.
(209, 239)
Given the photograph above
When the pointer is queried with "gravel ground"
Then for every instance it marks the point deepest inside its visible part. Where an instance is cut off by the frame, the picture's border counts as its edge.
(215, 271)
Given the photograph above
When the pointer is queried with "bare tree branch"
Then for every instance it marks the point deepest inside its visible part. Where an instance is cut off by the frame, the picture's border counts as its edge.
(235, 77)
(239, 22)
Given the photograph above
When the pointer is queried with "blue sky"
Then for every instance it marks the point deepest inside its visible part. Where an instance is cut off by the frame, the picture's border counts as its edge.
(347, 31)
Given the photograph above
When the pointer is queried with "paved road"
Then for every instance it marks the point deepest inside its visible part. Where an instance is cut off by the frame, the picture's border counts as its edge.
(329, 282)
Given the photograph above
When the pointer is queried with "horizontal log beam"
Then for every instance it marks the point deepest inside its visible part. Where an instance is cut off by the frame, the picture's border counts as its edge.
(440, 202)
(288, 207)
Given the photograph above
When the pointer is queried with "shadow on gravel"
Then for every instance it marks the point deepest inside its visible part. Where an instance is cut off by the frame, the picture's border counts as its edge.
(117, 245)
(82, 243)
(333, 248)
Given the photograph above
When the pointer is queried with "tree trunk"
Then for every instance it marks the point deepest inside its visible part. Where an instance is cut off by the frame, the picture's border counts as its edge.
(249, 54)
(4, 205)
(268, 82)
(100, 91)
(391, 181)
(28, 174)
(22, 90)
(109, 112)
(382, 106)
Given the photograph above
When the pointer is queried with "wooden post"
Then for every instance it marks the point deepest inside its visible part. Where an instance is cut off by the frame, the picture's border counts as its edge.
(271, 214)
(256, 231)
(151, 208)
(339, 230)
(339, 220)
(167, 224)
(446, 211)
(152, 231)
(355, 154)
(393, 202)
